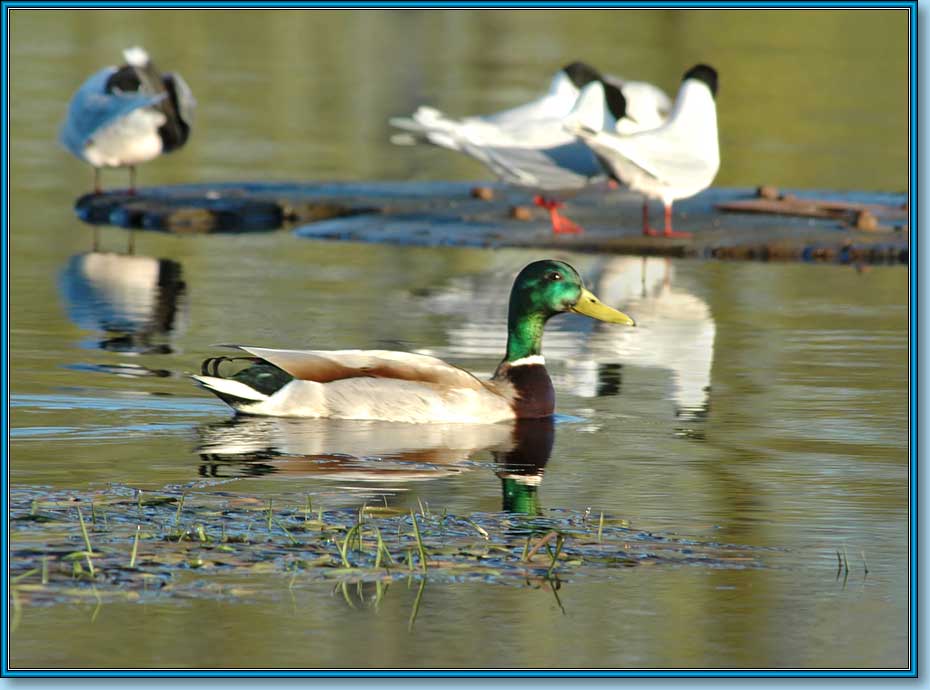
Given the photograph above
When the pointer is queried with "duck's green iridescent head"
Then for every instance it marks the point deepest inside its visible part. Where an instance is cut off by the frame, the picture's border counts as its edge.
(542, 290)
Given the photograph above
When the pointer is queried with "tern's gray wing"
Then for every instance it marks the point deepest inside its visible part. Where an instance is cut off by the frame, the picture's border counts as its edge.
(186, 101)
(662, 154)
(92, 108)
(564, 167)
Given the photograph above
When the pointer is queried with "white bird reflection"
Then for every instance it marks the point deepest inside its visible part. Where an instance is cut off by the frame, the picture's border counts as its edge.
(364, 456)
(675, 328)
(134, 300)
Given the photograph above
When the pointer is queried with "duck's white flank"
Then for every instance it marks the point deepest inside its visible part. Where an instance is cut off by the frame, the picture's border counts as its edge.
(369, 398)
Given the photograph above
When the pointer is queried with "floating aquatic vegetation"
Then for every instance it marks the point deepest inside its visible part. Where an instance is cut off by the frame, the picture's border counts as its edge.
(141, 544)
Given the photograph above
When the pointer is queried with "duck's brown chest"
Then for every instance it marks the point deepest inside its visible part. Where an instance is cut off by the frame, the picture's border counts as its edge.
(532, 391)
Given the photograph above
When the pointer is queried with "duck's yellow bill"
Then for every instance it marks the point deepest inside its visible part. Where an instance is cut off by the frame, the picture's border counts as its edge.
(589, 305)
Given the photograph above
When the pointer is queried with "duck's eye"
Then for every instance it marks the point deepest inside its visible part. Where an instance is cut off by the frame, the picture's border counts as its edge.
(555, 275)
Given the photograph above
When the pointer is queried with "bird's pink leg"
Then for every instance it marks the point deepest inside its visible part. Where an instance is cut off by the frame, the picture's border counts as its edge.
(132, 179)
(560, 224)
(668, 224)
(97, 189)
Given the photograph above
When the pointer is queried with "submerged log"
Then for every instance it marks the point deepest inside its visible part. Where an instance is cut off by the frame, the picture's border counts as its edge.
(224, 208)
(758, 224)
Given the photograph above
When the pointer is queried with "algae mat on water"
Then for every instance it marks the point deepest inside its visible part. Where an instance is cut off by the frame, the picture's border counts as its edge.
(121, 543)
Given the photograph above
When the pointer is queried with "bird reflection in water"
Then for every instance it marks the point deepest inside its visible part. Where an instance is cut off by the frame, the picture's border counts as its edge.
(521, 466)
(361, 458)
(675, 332)
(364, 457)
(138, 302)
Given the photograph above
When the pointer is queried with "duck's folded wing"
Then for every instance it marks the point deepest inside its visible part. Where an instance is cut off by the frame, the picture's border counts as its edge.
(323, 366)
(92, 109)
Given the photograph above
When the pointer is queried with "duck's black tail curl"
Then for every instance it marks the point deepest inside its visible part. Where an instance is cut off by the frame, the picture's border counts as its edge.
(211, 365)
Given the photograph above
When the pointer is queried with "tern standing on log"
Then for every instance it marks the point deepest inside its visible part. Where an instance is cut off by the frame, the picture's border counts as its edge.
(528, 146)
(127, 115)
(674, 161)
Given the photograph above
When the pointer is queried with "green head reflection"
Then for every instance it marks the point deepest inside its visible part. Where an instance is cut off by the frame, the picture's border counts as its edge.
(521, 467)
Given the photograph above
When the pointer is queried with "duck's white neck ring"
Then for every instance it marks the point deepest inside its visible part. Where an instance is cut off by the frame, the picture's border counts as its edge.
(525, 361)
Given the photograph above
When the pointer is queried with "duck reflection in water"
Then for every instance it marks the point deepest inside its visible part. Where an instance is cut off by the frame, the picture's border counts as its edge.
(362, 458)
(521, 466)
(675, 332)
(352, 450)
(134, 300)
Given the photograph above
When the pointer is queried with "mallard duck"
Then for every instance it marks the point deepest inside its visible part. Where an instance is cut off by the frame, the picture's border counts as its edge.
(675, 161)
(406, 387)
(127, 115)
(528, 146)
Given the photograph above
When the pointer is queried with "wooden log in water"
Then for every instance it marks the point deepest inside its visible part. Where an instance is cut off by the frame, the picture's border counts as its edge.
(852, 213)
(758, 224)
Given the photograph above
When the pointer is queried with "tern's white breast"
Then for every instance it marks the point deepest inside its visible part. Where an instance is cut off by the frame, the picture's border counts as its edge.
(130, 140)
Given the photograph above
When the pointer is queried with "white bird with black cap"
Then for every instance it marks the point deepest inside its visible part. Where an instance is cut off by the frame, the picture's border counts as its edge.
(127, 115)
(528, 146)
(674, 161)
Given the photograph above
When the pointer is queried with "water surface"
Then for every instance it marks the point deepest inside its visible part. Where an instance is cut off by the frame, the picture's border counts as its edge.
(759, 405)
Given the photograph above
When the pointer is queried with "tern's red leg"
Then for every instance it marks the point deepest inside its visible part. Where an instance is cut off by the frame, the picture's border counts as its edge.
(97, 189)
(647, 229)
(132, 179)
(560, 224)
(668, 224)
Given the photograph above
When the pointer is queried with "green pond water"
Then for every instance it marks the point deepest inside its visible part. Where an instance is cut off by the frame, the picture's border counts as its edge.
(762, 407)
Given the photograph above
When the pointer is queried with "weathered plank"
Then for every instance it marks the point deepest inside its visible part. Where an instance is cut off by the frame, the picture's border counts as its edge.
(862, 216)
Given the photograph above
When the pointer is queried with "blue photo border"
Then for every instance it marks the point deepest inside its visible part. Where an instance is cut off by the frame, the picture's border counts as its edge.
(913, 370)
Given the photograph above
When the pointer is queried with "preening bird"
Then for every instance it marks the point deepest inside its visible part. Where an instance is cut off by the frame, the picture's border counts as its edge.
(127, 115)
(647, 106)
(674, 161)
